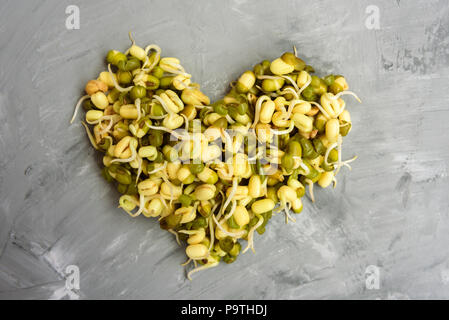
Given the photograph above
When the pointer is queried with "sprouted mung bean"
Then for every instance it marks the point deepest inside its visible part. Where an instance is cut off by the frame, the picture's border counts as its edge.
(213, 174)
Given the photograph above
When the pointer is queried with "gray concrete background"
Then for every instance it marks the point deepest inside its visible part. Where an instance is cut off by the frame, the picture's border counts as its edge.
(391, 210)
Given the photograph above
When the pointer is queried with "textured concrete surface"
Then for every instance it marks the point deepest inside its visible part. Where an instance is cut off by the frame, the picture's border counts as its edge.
(391, 210)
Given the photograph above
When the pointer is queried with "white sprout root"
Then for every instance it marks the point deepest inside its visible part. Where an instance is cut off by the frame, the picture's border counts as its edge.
(342, 93)
(177, 239)
(78, 105)
(230, 234)
(156, 60)
(257, 109)
(291, 90)
(292, 82)
(175, 134)
(197, 269)
(158, 168)
(231, 195)
(116, 85)
(139, 167)
(231, 212)
(288, 216)
(187, 262)
(141, 206)
(286, 207)
(211, 231)
(89, 134)
(281, 132)
(130, 159)
(311, 195)
(305, 86)
(251, 236)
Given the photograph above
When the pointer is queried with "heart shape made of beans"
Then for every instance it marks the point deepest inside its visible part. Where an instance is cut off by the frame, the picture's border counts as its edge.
(214, 173)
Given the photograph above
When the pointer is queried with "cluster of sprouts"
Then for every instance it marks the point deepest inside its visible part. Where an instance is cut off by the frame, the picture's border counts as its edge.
(213, 174)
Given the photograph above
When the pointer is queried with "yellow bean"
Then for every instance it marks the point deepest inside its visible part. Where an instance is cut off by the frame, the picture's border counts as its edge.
(197, 251)
(272, 84)
(111, 150)
(181, 81)
(100, 100)
(172, 101)
(190, 112)
(261, 206)
(155, 208)
(106, 78)
(205, 207)
(206, 242)
(332, 130)
(205, 192)
(303, 122)
(149, 152)
(93, 115)
(172, 121)
(219, 234)
(212, 133)
(280, 119)
(326, 179)
(239, 164)
(210, 153)
(263, 132)
(194, 97)
(127, 202)
(137, 52)
(266, 111)
(297, 205)
(211, 118)
(287, 194)
(94, 86)
(330, 105)
(248, 172)
(129, 111)
(172, 169)
(208, 176)
(188, 214)
(148, 187)
(255, 186)
(243, 119)
(303, 78)
(166, 63)
(198, 237)
(168, 190)
(241, 192)
(295, 184)
(241, 216)
(345, 116)
(107, 160)
(280, 103)
(303, 107)
(246, 81)
(342, 82)
(122, 149)
(184, 175)
(279, 67)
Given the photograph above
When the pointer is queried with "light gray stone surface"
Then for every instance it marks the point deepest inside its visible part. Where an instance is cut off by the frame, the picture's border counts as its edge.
(391, 210)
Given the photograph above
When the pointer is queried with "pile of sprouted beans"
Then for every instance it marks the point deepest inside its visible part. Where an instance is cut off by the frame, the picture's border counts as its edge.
(213, 174)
